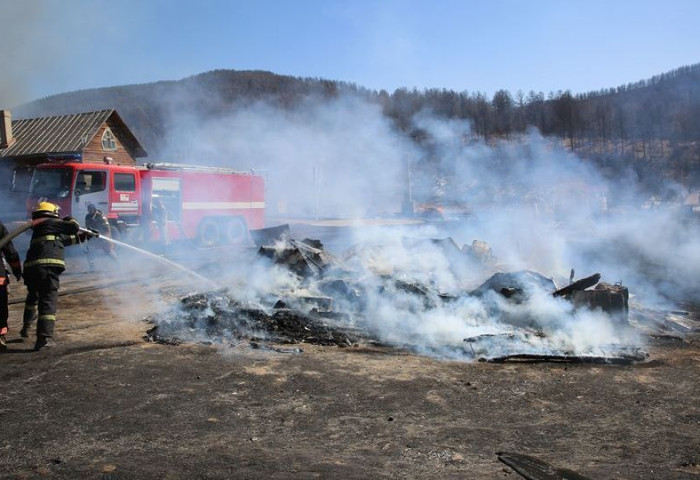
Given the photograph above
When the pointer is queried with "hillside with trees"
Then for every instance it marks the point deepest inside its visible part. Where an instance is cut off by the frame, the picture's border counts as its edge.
(649, 128)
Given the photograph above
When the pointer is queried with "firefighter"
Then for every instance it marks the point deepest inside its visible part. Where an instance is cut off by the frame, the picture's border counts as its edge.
(159, 214)
(10, 254)
(95, 220)
(44, 263)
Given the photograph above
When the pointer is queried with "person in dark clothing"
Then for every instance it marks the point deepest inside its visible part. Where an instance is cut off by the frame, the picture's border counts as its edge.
(95, 220)
(44, 263)
(10, 255)
(159, 214)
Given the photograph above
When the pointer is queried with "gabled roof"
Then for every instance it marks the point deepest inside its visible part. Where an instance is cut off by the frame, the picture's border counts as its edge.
(67, 133)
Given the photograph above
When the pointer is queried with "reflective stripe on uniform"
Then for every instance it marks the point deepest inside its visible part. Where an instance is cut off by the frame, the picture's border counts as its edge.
(45, 238)
(47, 317)
(45, 261)
(74, 239)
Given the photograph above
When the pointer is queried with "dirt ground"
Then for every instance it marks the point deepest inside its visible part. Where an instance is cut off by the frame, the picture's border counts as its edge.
(103, 403)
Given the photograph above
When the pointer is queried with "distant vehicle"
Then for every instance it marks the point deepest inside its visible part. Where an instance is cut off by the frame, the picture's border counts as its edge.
(211, 205)
(442, 211)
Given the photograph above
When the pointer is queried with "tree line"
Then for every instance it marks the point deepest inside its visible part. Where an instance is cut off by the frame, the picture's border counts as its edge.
(650, 126)
(647, 128)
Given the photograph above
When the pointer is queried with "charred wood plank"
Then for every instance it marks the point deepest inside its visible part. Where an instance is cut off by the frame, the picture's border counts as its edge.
(582, 284)
(533, 468)
(625, 359)
(268, 236)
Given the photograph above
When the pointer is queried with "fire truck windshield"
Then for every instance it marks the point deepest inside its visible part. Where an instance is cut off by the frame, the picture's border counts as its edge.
(51, 182)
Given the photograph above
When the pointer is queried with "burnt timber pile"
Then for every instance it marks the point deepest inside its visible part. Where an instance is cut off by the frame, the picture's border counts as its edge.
(333, 306)
(216, 315)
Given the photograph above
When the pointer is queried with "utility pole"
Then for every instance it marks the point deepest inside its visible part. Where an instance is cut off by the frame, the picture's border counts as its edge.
(316, 187)
(408, 208)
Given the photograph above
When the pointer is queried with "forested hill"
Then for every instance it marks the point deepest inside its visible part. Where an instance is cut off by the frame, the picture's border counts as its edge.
(650, 126)
(149, 108)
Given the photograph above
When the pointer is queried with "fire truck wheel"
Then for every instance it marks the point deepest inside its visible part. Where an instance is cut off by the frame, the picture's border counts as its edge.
(209, 233)
(235, 230)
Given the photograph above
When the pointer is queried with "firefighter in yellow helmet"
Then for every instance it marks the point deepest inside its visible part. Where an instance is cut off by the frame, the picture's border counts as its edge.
(44, 263)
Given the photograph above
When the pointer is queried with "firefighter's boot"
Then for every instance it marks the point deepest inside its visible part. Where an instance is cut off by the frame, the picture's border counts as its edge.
(44, 331)
(30, 315)
(43, 342)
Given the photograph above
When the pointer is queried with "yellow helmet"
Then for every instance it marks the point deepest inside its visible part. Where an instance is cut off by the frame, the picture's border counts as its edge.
(47, 207)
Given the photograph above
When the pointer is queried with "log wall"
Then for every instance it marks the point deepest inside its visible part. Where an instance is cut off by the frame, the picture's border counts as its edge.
(93, 151)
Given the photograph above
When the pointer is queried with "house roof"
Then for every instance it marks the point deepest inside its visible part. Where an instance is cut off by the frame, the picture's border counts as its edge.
(67, 133)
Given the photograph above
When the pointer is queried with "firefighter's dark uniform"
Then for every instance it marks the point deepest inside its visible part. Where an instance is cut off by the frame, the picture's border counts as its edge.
(10, 254)
(95, 220)
(44, 263)
(159, 214)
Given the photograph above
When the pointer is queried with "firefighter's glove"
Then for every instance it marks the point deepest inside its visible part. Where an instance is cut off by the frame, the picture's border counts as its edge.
(92, 233)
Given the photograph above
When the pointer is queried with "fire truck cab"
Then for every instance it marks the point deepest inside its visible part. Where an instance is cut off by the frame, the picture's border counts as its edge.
(211, 205)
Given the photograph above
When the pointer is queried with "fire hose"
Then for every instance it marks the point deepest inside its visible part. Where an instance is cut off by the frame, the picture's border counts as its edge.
(33, 223)
(90, 232)
(18, 231)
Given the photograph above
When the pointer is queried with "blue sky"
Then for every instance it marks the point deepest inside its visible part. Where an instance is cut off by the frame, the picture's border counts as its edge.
(541, 45)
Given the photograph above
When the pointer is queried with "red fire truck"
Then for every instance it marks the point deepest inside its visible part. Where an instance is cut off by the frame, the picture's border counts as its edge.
(210, 205)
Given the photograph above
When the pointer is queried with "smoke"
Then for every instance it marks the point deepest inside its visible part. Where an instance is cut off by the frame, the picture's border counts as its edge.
(325, 158)
(539, 207)
(542, 207)
(447, 310)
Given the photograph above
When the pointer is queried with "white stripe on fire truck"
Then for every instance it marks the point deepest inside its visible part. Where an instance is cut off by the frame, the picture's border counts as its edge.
(220, 205)
(125, 205)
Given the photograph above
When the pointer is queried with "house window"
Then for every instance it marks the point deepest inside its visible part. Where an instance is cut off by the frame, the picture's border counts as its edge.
(108, 141)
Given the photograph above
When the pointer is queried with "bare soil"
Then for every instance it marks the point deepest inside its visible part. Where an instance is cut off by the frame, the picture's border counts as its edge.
(103, 403)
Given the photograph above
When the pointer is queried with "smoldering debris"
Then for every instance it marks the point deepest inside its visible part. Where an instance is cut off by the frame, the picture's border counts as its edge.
(512, 316)
(217, 316)
(267, 236)
(481, 252)
(516, 286)
(578, 285)
(305, 258)
(674, 324)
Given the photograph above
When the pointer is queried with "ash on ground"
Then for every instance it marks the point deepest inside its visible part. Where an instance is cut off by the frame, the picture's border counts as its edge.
(364, 298)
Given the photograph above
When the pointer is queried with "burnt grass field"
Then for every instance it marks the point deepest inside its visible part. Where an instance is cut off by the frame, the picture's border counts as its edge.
(105, 403)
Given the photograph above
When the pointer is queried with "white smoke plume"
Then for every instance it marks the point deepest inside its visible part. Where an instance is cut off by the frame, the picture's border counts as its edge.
(539, 206)
(335, 158)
